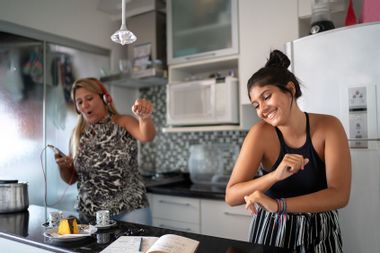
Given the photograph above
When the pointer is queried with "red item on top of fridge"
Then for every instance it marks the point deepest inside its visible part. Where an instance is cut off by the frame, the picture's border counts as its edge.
(370, 11)
(350, 17)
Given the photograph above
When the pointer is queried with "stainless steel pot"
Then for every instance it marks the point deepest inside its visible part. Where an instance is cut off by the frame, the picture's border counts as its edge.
(13, 196)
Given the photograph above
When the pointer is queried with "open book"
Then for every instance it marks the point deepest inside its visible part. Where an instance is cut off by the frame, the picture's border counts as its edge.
(168, 243)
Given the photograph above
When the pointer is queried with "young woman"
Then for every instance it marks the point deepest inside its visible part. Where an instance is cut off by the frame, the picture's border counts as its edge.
(306, 166)
(103, 155)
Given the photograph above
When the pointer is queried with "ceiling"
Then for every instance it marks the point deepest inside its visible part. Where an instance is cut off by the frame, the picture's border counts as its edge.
(133, 7)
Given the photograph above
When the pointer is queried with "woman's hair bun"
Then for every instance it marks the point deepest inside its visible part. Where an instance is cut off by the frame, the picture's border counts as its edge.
(278, 59)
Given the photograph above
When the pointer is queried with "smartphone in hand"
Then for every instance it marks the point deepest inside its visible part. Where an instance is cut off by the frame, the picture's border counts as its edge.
(56, 150)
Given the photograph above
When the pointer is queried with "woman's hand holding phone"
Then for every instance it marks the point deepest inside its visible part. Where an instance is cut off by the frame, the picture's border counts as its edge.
(63, 161)
(57, 151)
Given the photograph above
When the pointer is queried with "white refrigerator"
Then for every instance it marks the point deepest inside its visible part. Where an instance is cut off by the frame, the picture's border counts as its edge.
(339, 71)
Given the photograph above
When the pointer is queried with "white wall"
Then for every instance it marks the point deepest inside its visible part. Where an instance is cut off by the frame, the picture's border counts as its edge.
(74, 19)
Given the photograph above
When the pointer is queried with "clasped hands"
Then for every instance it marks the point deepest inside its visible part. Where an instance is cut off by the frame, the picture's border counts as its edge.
(142, 108)
(290, 164)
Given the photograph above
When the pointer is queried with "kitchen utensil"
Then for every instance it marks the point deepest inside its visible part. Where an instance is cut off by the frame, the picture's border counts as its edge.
(54, 218)
(13, 196)
(320, 16)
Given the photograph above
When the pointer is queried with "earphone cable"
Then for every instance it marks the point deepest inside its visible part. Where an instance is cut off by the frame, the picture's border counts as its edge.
(45, 181)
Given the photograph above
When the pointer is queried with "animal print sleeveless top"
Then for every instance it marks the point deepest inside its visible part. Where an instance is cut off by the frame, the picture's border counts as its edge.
(106, 164)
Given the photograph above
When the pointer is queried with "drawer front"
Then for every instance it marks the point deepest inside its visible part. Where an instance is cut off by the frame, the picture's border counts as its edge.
(176, 225)
(176, 208)
(219, 219)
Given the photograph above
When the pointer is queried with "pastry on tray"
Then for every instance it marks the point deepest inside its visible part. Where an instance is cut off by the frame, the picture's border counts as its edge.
(68, 226)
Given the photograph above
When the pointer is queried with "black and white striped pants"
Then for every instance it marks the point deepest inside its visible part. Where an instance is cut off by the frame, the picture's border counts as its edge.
(298, 232)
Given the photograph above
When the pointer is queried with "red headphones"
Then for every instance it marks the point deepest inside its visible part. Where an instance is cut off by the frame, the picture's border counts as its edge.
(107, 99)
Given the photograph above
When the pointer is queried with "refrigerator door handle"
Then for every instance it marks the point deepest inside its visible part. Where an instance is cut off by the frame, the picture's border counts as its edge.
(363, 139)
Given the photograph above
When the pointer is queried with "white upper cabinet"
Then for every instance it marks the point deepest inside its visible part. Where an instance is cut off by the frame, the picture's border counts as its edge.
(256, 28)
(201, 30)
(264, 26)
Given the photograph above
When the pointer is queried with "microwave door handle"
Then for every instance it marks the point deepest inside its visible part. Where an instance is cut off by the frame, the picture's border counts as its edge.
(168, 111)
(213, 100)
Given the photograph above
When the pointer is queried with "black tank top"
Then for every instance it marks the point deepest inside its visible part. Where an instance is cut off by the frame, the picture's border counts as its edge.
(311, 179)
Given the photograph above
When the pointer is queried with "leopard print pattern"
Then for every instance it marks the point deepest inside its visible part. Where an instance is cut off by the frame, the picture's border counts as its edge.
(108, 176)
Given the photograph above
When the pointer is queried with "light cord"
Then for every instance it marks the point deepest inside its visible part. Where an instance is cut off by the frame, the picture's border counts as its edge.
(123, 13)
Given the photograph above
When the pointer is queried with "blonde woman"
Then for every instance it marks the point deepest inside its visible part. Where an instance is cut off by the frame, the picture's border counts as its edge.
(103, 155)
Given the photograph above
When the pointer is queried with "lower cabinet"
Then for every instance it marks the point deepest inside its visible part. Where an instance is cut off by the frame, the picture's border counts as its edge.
(176, 213)
(176, 225)
(221, 220)
(204, 216)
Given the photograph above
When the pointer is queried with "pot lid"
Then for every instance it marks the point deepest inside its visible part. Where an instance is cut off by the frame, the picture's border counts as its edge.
(2, 181)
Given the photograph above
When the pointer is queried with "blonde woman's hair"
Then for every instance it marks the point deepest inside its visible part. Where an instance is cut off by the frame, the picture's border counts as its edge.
(93, 85)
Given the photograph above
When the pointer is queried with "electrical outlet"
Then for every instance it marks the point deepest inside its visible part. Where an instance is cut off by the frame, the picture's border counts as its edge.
(358, 125)
(358, 129)
(357, 97)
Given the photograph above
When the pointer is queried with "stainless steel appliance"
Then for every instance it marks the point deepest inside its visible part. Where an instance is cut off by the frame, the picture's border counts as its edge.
(203, 102)
(13, 196)
(340, 74)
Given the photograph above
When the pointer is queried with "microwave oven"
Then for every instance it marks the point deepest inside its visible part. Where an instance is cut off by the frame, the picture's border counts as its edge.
(203, 102)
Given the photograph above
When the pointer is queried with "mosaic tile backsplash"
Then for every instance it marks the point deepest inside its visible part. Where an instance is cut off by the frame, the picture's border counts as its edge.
(171, 151)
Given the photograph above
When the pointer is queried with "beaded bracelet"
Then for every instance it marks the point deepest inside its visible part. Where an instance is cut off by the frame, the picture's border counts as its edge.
(281, 203)
(284, 207)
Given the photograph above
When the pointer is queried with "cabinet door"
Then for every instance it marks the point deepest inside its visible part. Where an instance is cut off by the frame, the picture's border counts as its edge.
(201, 29)
(219, 219)
(176, 225)
(258, 35)
(176, 208)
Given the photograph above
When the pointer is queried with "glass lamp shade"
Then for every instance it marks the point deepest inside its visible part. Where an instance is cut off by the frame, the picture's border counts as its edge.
(123, 36)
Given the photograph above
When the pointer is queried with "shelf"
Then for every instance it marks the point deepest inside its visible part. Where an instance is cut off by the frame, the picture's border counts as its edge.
(202, 128)
(204, 29)
(202, 68)
(137, 81)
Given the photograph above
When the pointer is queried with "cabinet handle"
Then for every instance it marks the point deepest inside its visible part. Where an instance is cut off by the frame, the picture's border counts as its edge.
(173, 203)
(236, 214)
(200, 56)
(175, 228)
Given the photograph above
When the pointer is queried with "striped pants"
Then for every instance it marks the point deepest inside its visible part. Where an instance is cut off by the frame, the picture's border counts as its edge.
(298, 232)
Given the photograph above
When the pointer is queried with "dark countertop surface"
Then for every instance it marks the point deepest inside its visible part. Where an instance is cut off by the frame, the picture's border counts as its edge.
(183, 187)
(26, 227)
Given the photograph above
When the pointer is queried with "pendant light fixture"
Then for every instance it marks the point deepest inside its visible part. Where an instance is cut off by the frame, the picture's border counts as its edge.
(123, 35)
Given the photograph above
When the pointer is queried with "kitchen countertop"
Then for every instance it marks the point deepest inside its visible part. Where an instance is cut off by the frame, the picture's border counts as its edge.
(183, 187)
(26, 227)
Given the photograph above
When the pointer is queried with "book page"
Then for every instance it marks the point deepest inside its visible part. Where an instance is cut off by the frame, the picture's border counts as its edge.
(130, 244)
(174, 244)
